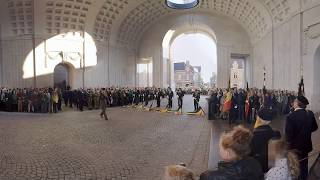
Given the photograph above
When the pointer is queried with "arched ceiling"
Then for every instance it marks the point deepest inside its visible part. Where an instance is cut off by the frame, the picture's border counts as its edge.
(126, 20)
(64, 15)
(250, 13)
(20, 16)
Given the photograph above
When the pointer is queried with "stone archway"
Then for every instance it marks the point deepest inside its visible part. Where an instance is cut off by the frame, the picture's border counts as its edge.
(168, 39)
(63, 76)
(198, 55)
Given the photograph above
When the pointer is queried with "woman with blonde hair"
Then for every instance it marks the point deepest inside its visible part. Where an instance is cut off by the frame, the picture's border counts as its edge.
(286, 164)
(178, 172)
(235, 165)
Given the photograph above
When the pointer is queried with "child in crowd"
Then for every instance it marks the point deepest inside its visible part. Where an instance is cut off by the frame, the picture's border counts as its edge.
(178, 172)
(286, 164)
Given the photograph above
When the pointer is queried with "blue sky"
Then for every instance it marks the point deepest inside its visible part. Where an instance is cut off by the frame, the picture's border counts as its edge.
(197, 48)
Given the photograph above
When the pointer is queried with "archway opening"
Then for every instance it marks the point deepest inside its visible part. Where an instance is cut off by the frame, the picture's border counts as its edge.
(194, 59)
(75, 48)
(144, 73)
(62, 76)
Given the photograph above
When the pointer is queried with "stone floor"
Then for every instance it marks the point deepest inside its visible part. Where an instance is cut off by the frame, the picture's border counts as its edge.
(133, 144)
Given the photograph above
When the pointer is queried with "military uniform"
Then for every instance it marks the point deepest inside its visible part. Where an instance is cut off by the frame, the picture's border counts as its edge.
(196, 99)
(103, 105)
(299, 126)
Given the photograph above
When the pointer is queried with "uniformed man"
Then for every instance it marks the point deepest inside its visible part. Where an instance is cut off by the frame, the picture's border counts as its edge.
(146, 97)
(136, 97)
(180, 95)
(158, 97)
(196, 99)
(170, 96)
(103, 104)
(300, 124)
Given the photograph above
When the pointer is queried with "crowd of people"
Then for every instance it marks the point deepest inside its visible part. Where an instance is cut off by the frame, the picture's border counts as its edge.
(245, 154)
(244, 104)
(48, 100)
(44, 100)
(262, 153)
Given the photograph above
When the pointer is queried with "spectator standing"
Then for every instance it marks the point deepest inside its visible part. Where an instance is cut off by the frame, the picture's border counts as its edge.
(299, 126)
(236, 165)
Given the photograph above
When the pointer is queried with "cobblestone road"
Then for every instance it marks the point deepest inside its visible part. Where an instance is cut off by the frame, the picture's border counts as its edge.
(79, 145)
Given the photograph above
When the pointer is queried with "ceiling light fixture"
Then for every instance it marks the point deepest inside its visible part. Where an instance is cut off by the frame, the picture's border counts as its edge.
(182, 4)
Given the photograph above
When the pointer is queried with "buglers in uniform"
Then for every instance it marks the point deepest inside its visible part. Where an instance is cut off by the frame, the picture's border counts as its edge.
(158, 97)
(170, 96)
(300, 124)
(103, 104)
(196, 99)
(262, 134)
(180, 95)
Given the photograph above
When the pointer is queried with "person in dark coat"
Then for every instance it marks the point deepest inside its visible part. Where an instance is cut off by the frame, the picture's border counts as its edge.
(234, 111)
(241, 99)
(236, 165)
(180, 95)
(196, 99)
(299, 126)
(262, 134)
(103, 104)
(158, 97)
(170, 96)
(212, 102)
(81, 99)
(146, 97)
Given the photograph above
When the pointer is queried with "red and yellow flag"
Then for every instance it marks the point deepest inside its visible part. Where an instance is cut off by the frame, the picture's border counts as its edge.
(228, 101)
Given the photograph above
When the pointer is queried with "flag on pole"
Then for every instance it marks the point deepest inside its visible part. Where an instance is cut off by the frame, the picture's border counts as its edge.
(301, 88)
(228, 101)
(247, 105)
(264, 90)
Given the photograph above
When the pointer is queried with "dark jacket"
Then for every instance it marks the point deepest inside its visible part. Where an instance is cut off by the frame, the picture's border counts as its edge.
(299, 126)
(245, 169)
(259, 144)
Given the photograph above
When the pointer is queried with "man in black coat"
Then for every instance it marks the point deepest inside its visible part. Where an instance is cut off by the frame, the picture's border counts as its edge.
(170, 96)
(158, 97)
(196, 99)
(262, 134)
(180, 94)
(299, 126)
(212, 103)
(241, 98)
(146, 97)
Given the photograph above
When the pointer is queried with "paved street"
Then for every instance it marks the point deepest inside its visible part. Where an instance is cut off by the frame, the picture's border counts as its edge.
(133, 144)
